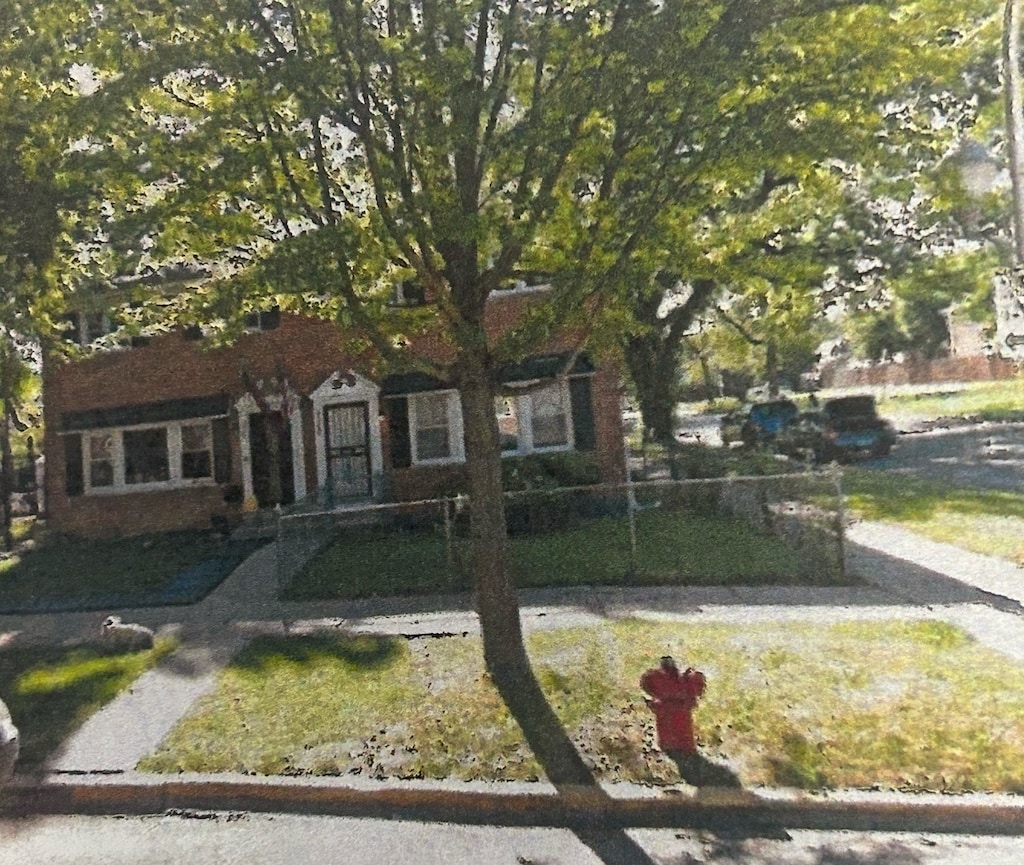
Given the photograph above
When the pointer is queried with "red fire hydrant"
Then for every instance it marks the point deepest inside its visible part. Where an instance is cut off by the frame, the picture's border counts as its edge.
(673, 696)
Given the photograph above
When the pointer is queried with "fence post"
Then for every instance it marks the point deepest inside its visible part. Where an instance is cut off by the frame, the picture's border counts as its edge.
(631, 508)
(837, 477)
(449, 564)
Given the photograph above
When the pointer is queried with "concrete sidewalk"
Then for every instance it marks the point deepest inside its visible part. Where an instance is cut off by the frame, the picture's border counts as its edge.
(95, 770)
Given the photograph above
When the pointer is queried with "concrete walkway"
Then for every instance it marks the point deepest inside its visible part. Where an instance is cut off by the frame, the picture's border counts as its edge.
(908, 576)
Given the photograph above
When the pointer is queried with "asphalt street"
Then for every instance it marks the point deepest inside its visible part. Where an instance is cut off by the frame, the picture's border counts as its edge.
(205, 838)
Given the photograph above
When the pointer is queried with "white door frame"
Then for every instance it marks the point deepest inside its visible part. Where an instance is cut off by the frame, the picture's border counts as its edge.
(339, 389)
(246, 405)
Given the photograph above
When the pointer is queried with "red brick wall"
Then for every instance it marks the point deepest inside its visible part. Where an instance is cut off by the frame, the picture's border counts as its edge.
(172, 367)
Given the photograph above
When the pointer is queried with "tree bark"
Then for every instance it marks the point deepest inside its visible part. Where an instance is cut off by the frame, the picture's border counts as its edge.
(1014, 98)
(771, 367)
(653, 367)
(505, 654)
(6, 475)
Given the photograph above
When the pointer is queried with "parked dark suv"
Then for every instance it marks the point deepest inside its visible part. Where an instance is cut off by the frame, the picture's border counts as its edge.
(844, 428)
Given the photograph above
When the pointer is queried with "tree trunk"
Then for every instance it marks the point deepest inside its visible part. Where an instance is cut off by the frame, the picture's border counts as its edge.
(771, 368)
(6, 475)
(653, 368)
(1014, 120)
(497, 603)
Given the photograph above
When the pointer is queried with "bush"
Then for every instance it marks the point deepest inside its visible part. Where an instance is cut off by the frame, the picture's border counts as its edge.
(542, 473)
(549, 471)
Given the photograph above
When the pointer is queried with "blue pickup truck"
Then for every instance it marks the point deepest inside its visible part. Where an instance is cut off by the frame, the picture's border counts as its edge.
(844, 428)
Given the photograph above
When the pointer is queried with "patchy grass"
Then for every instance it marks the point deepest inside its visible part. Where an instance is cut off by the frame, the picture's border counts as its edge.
(52, 691)
(811, 706)
(674, 547)
(22, 528)
(106, 571)
(983, 521)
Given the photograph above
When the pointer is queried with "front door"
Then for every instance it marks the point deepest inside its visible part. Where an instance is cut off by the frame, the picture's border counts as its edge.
(348, 452)
(270, 443)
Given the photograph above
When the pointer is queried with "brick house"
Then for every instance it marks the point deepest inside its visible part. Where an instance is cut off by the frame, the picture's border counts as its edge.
(177, 434)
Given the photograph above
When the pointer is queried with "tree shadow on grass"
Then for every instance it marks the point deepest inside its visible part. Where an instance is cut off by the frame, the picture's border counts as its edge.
(565, 768)
(365, 652)
(51, 691)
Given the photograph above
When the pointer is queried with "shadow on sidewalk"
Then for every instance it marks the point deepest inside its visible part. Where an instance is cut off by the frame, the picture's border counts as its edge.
(917, 585)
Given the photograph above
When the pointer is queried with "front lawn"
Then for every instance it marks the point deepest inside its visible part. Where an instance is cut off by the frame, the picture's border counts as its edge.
(52, 691)
(176, 567)
(990, 400)
(674, 547)
(983, 521)
(805, 705)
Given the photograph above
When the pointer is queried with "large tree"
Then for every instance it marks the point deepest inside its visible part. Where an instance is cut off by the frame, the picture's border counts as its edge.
(791, 137)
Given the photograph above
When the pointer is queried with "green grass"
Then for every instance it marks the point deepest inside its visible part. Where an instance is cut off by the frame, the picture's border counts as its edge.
(22, 528)
(846, 705)
(992, 400)
(673, 548)
(60, 568)
(983, 521)
(51, 691)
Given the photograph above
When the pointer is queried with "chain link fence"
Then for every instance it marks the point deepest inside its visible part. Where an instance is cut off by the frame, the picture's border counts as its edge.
(773, 529)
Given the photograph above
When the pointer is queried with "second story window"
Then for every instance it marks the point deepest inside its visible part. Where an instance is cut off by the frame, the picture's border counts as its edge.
(265, 319)
(84, 328)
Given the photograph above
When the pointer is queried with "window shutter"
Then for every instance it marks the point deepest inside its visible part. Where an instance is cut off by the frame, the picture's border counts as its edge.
(582, 413)
(74, 477)
(398, 428)
(221, 450)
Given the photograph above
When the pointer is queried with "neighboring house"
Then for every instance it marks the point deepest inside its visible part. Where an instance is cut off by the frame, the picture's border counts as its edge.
(173, 433)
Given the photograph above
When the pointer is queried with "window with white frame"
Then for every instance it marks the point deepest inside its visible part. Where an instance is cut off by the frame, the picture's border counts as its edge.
(536, 420)
(99, 451)
(508, 422)
(146, 460)
(549, 416)
(154, 456)
(435, 424)
(196, 450)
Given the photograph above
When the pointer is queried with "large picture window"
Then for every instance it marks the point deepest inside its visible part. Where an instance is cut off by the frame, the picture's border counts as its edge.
(145, 456)
(166, 455)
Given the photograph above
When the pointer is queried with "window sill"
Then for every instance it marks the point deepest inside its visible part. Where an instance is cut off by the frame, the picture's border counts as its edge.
(156, 487)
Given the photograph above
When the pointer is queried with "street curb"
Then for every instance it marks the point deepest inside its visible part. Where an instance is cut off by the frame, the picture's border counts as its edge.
(572, 807)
